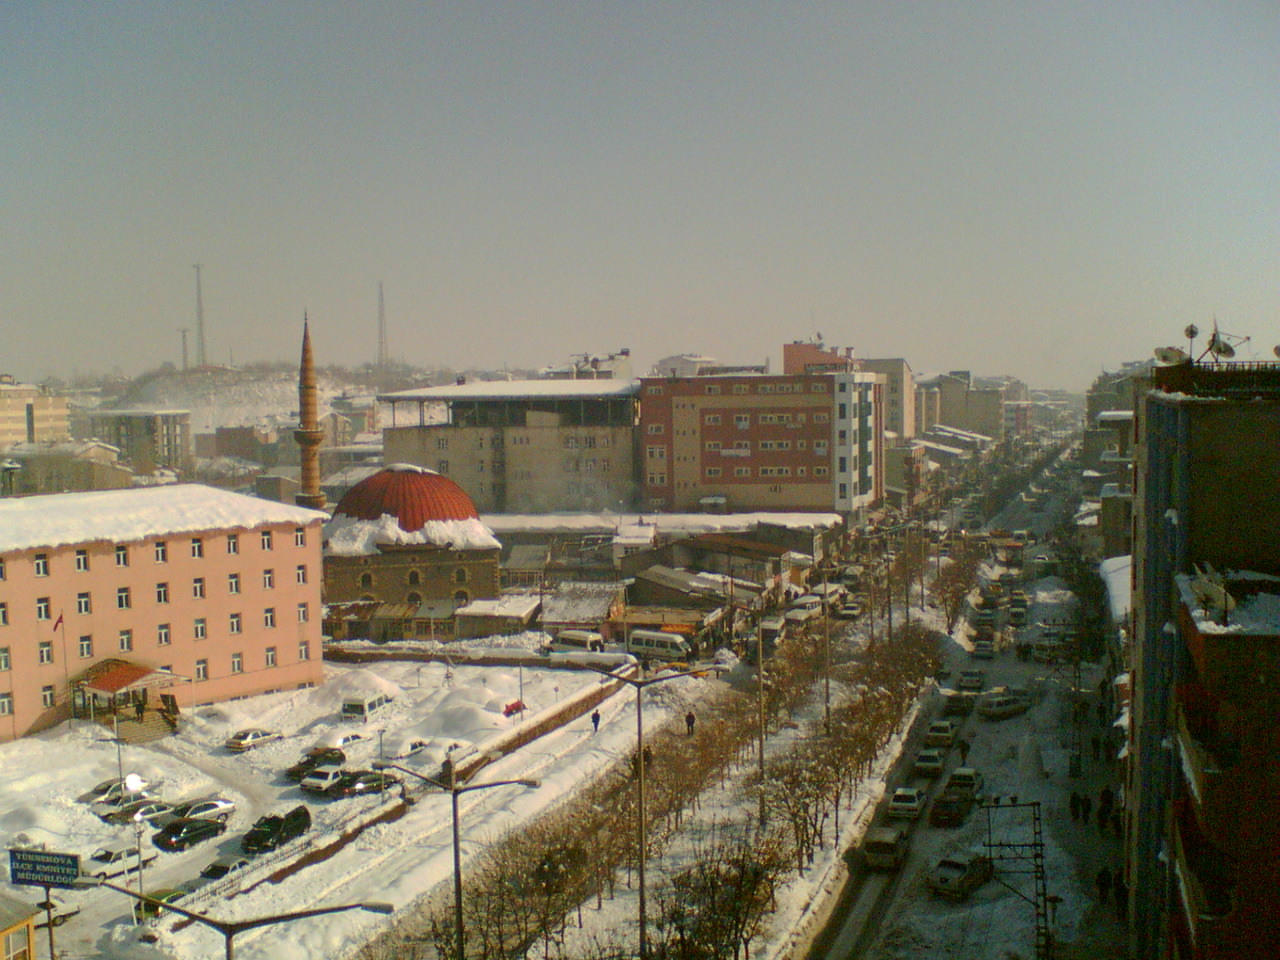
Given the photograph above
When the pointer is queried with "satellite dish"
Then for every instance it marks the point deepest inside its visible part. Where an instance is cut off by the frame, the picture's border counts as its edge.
(1211, 594)
(1221, 348)
(1191, 332)
(134, 783)
(1276, 350)
(1168, 356)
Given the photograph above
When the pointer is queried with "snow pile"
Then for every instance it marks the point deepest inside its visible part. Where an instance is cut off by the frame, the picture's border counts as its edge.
(350, 537)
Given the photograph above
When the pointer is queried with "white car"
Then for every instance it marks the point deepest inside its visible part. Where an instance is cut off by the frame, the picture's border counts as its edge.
(322, 779)
(206, 808)
(117, 860)
(248, 739)
(906, 804)
(929, 763)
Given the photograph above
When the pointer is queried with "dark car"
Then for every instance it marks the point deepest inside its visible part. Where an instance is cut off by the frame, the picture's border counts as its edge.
(950, 810)
(274, 831)
(318, 757)
(184, 833)
(359, 782)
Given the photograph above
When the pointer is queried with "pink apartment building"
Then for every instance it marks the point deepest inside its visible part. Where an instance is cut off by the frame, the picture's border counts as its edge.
(114, 597)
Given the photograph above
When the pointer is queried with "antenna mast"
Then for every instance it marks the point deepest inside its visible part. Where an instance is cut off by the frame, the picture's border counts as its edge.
(382, 332)
(183, 331)
(200, 357)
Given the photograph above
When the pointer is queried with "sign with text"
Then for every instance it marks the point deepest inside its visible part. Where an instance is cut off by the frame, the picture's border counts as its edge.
(43, 868)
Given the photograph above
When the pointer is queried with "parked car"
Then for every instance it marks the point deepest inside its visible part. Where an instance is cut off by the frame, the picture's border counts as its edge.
(248, 739)
(117, 792)
(145, 811)
(929, 763)
(358, 782)
(957, 704)
(316, 757)
(971, 680)
(956, 879)
(322, 779)
(1002, 706)
(851, 610)
(906, 804)
(964, 780)
(205, 808)
(60, 909)
(884, 848)
(338, 739)
(222, 867)
(181, 834)
(145, 910)
(274, 831)
(115, 860)
(950, 810)
(941, 733)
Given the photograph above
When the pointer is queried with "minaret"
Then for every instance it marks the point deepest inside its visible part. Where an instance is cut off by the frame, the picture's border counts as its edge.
(309, 435)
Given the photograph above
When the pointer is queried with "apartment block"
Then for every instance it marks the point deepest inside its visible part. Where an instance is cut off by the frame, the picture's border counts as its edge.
(30, 414)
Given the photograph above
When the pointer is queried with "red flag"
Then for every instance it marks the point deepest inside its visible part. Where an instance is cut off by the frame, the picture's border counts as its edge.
(57, 623)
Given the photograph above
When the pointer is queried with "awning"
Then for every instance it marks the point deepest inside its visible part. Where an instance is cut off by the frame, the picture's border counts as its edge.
(120, 676)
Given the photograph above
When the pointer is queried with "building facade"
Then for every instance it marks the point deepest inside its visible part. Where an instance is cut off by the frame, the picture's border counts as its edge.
(219, 590)
(147, 439)
(30, 414)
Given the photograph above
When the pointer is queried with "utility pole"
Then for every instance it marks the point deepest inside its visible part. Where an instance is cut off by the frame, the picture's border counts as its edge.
(382, 332)
(201, 360)
(183, 331)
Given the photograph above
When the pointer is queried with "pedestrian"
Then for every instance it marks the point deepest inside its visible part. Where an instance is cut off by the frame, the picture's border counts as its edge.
(648, 758)
(1104, 884)
(1107, 797)
(1117, 824)
(1086, 806)
(595, 721)
(1104, 819)
(964, 751)
(1121, 893)
(1075, 805)
(1102, 713)
(689, 720)
(139, 708)
(1095, 742)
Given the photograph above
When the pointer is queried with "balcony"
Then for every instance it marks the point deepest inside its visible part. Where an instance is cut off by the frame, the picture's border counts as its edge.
(1201, 770)
(1205, 889)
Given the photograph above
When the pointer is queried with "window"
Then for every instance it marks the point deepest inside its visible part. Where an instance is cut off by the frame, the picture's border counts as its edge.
(304, 613)
(42, 564)
(442, 466)
(4, 658)
(842, 465)
(655, 428)
(843, 491)
(234, 623)
(657, 479)
(765, 388)
(123, 599)
(271, 656)
(46, 651)
(237, 663)
(163, 635)
(300, 536)
(86, 647)
(46, 696)
(6, 707)
(822, 418)
(122, 556)
(269, 617)
(162, 593)
(460, 575)
(202, 669)
(197, 548)
(162, 552)
(713, 389)
(266, 539)
(4, 614)
(82, 560)
(442, 443)
(742, 420)
(713, 445)
(461, 597)
(301, 573)
(304, 649)
(233, 543)
(197, 588)
(42, 608)
(713, 472)
(656, 453)
(415, 578)
(740, 388)
(200, 628)
(268, 579)
(126, 641)
(820, 471)
(366, 581)
(742, 471)
(233, 583)
(1, 569)
(654, 391)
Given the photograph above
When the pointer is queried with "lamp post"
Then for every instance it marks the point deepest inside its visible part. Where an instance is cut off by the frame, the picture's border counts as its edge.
(638, 684)
(455, 791)
(229, 928)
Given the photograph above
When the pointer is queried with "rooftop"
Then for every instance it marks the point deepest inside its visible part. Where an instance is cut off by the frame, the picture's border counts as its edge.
(517, 390)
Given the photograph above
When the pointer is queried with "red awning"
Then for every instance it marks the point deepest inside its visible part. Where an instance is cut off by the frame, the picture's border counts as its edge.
(122, 677)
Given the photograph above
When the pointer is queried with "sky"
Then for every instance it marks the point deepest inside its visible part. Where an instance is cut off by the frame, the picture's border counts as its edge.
(1044, 190)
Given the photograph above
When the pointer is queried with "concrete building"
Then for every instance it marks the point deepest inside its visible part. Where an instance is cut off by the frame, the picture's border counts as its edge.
(210, 593)
(31, 414)
(1204, 706)
(62, 467)
(147, 439)
(525, 446)
(899, 393)
(762, 442)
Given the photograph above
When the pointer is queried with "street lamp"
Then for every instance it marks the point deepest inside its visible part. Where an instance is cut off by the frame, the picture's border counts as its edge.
(455, 791)
(638, 684)
(229, 928)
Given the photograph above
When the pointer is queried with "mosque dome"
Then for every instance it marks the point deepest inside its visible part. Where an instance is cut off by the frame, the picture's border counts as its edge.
(405, 505)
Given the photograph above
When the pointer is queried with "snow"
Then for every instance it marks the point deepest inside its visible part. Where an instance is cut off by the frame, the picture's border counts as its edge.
(681, 523)
(520, 605)
(1115, 572)
(516, 389)
(123, 516)
(350, 537)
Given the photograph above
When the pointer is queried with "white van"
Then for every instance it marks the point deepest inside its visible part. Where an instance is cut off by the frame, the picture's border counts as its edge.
(656, 643)
(360, 708)
(578, 641)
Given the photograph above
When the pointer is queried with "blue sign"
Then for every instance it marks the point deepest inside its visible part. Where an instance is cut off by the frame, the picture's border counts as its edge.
(42, 868)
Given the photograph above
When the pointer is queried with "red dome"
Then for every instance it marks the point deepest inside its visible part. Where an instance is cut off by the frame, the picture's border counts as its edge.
(413, 495)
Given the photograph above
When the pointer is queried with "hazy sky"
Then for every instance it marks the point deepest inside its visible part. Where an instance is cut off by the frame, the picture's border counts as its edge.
(1040, 189)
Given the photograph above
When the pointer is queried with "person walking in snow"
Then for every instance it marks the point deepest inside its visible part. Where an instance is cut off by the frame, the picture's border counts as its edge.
(964, 751)
(595, 721)
(689, 721)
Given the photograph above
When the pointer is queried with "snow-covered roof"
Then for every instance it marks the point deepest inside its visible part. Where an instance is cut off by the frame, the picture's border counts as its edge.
(1115, 415)
(667, 523)
(518, 389)
(519, 605)
(123, 516)
(351, 537)
(1115, 573)
(1256, 612)
(580, 602)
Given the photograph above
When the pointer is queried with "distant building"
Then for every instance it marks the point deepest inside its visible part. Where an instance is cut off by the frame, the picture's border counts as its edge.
(147, 439)
(899, 393)
(62, 467)
(525, 446)
(206, 593)
(31, 414)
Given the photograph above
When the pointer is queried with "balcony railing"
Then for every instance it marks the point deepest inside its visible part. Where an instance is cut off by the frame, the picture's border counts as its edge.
(1198, 765)
(1206, 901)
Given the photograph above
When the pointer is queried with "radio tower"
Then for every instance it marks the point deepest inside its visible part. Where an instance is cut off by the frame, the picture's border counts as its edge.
(200, 357)
(382, 332)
